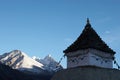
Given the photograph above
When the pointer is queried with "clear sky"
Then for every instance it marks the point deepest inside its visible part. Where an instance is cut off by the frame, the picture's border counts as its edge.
(42, 27)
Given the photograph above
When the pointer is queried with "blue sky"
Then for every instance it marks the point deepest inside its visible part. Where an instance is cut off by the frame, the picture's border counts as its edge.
(42, 27)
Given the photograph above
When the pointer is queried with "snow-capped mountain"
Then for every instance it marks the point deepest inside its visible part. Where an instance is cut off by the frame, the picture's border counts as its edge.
(19, 60)
(49, 63)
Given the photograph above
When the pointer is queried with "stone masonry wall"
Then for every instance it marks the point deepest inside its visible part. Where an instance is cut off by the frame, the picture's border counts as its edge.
(87, 73)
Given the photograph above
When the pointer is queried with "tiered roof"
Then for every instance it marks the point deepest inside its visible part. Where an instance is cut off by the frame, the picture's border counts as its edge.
(89, 39)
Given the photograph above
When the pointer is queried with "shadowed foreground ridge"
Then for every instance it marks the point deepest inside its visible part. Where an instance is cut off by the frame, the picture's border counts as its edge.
(87, 73)
(7, 73)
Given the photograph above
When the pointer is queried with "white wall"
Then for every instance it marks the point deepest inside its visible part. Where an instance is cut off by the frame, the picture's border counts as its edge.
(99, 61)
(89, 57)
(78, 61)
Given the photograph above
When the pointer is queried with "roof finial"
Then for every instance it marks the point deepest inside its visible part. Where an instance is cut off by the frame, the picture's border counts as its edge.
(88, 25)
(88, 22)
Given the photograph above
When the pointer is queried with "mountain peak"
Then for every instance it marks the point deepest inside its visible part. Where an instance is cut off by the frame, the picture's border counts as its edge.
(17, 51)
(48, 55)
(49, 63)
(49, 58)
(19, 60)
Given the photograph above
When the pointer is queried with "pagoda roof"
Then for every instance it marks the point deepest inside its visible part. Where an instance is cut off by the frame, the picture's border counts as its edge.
(89, 39)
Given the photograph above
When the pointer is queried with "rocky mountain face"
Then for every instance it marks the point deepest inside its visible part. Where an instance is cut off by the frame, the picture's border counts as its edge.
(17, 59)
(16, 65)
(49, 63)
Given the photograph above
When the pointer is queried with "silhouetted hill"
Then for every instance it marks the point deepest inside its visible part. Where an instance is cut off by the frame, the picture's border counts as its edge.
(7, 73)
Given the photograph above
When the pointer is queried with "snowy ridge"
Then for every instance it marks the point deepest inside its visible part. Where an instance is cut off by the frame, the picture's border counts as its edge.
(49, 63)
(19, 60)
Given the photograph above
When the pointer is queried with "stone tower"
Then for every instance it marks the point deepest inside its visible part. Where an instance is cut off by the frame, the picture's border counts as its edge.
(89, 50)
